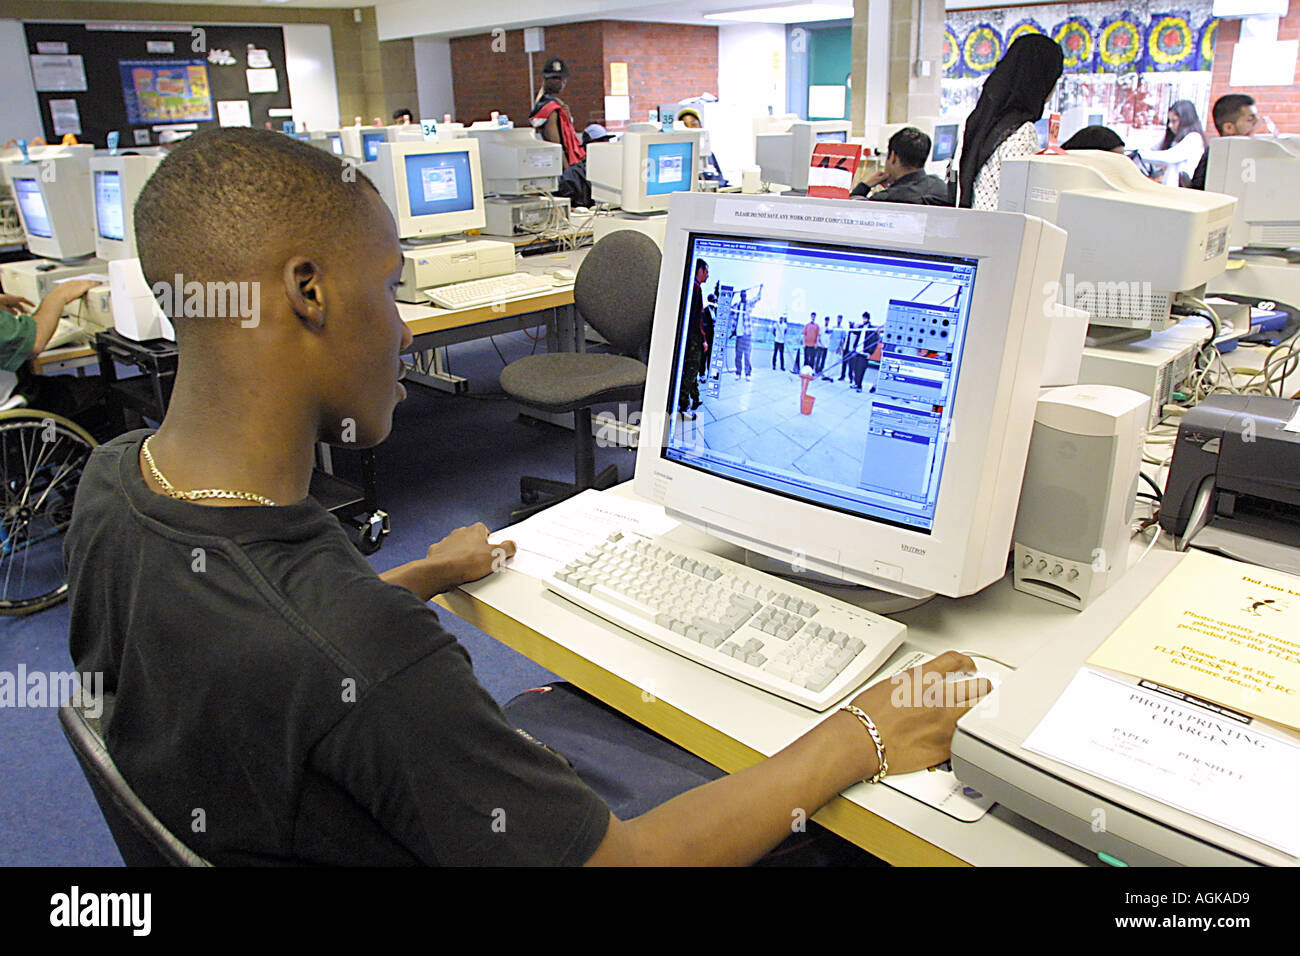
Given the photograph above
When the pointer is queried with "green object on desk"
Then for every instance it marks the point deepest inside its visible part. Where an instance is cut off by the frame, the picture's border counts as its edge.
(1113, 861)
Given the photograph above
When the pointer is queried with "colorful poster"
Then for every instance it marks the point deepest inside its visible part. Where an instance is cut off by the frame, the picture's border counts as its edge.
(1024, 28)
(951, 55)
(1205, 48)
(1171, 45)
(1075, 37)
(982, 49)
(165, 91)
(1119, 45)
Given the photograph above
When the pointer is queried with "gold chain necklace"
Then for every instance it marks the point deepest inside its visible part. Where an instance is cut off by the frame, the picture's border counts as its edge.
(170, 491)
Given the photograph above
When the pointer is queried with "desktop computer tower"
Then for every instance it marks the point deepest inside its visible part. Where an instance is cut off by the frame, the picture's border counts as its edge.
(1071, 539)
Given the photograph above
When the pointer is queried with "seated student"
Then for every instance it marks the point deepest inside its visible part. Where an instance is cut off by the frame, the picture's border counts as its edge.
(1234, 114)
(24, 335)
(1182, 148)
(691, 120)
(904, 178)
(260, 670)
(1095, 137)
(403, 117)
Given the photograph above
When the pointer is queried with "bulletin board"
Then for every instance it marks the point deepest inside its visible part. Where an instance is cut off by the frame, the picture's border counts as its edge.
(141, 82)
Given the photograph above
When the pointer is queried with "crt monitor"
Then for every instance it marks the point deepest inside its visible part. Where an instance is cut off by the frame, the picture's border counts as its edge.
(911, 488)
(785, 157)
(432, 189)
(55, 201)
(1263, 173)
(1134, 244)
(516, 161)
(640, 171)
(117, 181)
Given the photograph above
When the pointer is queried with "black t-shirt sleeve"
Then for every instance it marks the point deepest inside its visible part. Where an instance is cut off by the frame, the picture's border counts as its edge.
(431, 756)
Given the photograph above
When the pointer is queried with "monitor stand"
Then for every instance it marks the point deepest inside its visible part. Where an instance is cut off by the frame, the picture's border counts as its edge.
(425, 242)
(1105, 336)
(871, 599)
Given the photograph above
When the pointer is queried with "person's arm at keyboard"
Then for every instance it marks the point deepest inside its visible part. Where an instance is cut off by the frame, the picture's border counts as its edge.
(56, 300)
(738, 818)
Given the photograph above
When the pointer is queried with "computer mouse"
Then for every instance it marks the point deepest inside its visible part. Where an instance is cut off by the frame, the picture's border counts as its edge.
(562, 275)
(995, 672)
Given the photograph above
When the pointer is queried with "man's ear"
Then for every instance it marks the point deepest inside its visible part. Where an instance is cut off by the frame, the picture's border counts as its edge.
(304, 288)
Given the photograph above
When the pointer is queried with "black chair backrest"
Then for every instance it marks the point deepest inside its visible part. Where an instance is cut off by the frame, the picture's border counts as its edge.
(141, 837)
(616, 288)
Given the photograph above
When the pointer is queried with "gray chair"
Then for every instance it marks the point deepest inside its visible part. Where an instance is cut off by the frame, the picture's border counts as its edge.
(615, 293)
(140, 836)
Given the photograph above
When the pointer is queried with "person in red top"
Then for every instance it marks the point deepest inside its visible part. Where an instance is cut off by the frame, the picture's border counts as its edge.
(811, 333)
(551, 116)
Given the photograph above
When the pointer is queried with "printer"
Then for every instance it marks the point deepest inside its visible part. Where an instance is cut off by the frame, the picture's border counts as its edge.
(1234, 481)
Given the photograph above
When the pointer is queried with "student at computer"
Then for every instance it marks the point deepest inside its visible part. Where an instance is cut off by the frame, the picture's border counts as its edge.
(403, 117)
(1095, 137)
(24, 333)
(1234, 114)
(904, 178)
(691, 120)
(1001, 126)
(260, 670)
(1182, 147)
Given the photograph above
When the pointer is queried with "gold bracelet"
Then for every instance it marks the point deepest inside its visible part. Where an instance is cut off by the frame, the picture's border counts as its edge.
(875, 738)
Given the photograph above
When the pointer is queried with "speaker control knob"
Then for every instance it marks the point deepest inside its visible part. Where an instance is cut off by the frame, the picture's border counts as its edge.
(1042, 565)
(1074, 573)
(1029, 559)
(1057, 570)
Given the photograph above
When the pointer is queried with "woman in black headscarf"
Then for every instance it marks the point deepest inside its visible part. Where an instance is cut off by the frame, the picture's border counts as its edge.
(1183, 145)
(1002, 123)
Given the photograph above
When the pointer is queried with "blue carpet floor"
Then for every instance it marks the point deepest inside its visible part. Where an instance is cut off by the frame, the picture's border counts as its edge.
(450, 461)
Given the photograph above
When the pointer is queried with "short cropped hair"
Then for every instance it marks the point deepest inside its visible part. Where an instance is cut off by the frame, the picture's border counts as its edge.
(1228, 106)
(911, 146)
(224, 198)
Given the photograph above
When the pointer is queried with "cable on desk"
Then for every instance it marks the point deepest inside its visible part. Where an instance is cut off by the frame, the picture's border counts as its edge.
(1151, 481)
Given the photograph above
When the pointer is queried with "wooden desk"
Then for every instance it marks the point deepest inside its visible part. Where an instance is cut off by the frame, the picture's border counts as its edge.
(732, 725)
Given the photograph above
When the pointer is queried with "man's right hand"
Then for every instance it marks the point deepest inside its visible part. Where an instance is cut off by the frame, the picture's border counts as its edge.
(916, 711)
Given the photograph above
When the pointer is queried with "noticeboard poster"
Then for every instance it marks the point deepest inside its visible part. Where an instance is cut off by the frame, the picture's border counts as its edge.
(166, 91)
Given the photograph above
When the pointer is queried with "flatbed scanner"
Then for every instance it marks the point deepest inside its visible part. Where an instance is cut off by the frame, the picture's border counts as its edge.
(1234, 481)
(988, 753)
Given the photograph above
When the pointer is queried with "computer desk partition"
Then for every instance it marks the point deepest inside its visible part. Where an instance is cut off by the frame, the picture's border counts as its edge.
(732, 725)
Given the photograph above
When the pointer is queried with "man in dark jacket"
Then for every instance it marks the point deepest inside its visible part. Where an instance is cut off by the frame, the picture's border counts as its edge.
(904, 178)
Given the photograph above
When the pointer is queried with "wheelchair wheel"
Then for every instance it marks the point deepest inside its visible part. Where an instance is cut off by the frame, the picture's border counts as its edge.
(41, 460)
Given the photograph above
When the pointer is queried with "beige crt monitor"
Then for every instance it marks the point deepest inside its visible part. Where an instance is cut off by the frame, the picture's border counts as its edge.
(432, 189)
(1263, 172)
(117, 181)
(53, 192)
(911, 488)
(643, 169)
(1134, 245)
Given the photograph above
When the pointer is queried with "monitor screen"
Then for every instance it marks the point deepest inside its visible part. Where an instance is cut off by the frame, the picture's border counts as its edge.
(669, 167)
(370, 144)
(835, 136)
(28, 192)
(439, 182)
(336, 145)
(945, 142)
(878, 452)
(109, 217)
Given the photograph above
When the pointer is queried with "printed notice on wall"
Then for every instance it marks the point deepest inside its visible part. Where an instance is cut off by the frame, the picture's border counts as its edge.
(58, 74)
(65, 117)
(845, 219)
(1219, 629)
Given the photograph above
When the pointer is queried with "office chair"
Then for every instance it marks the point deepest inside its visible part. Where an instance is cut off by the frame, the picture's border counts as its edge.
(615, 293)
(140, 836)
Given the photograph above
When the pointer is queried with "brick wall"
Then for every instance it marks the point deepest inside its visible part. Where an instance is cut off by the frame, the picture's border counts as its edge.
(666, 62)
(486, 80)
(1281, 104)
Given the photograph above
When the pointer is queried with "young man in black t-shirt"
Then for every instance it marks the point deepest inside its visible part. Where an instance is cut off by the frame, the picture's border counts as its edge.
(263, 679)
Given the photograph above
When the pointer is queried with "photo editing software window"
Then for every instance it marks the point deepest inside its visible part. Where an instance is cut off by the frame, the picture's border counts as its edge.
(439, 182)
(893, 321)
